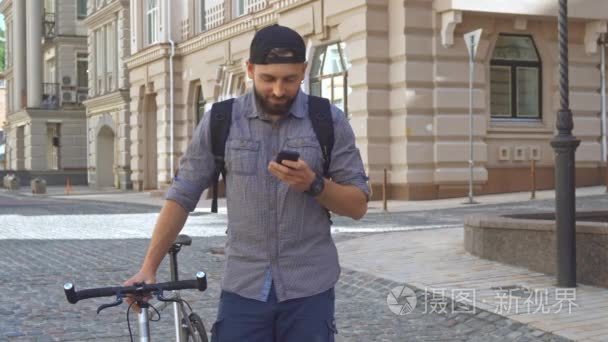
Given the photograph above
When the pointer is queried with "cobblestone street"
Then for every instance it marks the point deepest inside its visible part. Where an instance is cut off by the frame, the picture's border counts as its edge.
(33, 270)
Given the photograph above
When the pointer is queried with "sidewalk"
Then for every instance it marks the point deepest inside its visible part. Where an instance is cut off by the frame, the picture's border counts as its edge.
(436, 259)
(154, 199)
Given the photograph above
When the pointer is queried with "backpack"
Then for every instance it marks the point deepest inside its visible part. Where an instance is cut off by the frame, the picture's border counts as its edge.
(319, 110)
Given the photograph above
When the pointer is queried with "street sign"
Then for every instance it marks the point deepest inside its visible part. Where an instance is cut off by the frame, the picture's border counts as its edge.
(472, 41)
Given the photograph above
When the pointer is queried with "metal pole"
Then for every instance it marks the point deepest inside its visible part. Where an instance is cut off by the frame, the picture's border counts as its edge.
(565, 144)
(384, 195)
(471, 163)
(144, 324)
(533, 176)
(602, 44)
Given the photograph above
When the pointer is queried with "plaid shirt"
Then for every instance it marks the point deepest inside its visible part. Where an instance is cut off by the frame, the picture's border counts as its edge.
(275, 234)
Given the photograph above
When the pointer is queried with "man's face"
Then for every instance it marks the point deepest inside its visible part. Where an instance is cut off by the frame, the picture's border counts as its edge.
(276, 85)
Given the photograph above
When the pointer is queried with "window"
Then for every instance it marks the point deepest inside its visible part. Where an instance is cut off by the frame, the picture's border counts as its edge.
(8, 57)
(239, 8)
(202, 15)
(152, 21)
(328, 74)
(515, 78)
(49, 6)
(200, 104)
(49, 71)
(99, 60)
(82, 72)
(110, 55)
(81, 9)
(233, 84)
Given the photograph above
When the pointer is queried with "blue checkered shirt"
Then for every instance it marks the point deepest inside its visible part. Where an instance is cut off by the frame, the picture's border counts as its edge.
(275, 234)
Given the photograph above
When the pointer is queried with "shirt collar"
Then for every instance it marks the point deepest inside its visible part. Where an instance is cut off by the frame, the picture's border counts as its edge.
(298, 107)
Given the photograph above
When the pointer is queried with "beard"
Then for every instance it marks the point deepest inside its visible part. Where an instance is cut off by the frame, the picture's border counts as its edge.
(273, 105)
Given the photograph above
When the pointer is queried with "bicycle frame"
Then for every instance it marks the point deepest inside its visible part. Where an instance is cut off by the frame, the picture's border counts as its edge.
(179, 312)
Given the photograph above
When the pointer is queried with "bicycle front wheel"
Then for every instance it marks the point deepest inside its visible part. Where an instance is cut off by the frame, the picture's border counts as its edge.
(199, 334)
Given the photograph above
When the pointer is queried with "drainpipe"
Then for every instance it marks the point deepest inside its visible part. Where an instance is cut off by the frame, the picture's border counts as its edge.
(171, 56)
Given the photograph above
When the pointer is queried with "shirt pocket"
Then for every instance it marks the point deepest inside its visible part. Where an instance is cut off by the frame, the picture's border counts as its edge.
(309, 149)
(242, 156)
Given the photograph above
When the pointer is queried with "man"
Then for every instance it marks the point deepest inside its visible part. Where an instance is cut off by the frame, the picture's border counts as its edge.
(281, 262)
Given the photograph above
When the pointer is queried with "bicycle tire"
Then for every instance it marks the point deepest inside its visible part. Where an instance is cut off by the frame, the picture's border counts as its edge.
(199, 334)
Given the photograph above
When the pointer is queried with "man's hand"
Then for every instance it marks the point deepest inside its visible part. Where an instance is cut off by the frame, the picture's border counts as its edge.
(138, 278)
(297, 174)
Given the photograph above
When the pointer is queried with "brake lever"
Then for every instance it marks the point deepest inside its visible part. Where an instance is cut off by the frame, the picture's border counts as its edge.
(162, 298)
(105, 306)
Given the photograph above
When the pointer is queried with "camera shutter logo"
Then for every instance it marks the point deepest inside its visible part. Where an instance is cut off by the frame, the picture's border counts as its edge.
(401, 300)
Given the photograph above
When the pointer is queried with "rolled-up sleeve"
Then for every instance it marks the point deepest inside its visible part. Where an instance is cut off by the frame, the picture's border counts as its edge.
(196, 168)
(346, 166)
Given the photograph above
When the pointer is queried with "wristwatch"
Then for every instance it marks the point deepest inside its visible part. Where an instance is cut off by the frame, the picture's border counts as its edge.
(317, 186)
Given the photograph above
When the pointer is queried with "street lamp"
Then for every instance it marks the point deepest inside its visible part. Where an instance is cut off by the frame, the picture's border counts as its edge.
(565, 144)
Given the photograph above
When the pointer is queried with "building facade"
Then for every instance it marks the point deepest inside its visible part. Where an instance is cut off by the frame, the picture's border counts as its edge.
(108, 111)
(399, 70)
(2, 123)
(46, 82)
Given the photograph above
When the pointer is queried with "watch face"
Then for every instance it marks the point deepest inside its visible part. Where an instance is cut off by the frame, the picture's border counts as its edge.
(317, 186)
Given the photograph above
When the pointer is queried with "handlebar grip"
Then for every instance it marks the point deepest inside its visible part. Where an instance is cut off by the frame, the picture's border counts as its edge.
(73, 296)
(70, 293)
(200, 283)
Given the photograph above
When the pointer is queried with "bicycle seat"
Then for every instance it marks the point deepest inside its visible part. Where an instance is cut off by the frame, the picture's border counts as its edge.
(183, 240)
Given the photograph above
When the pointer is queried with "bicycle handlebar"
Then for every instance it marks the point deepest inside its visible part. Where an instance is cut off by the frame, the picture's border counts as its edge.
(73, 296)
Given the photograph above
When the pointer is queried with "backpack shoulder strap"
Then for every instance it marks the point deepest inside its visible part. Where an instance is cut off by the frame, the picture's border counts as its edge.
(221, 118)
(319, 110)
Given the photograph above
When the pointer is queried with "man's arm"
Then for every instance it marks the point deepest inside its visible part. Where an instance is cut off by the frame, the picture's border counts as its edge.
(170, 222)
(345, 200)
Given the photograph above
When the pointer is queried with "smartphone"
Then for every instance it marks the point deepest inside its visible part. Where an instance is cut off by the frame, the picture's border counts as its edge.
(287, 155)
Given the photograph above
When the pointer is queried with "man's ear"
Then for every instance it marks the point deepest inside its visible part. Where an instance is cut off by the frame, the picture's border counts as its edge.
(250, 68)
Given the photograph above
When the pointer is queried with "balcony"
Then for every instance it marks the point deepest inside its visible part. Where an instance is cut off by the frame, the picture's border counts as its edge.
(50, 96)
(48, 25)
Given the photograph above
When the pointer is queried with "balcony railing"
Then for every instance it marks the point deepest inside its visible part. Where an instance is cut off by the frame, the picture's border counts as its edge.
(48, 24)
(214, 13)
(255, 5)
(50, 96)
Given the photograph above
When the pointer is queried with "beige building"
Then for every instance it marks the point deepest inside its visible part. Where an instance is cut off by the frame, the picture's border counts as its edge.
(46, 82)
(398, 68)
(2, 123)
(108, 126)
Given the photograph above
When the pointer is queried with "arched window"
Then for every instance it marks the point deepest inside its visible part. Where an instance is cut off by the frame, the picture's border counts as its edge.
(515, 78)
(329, 74)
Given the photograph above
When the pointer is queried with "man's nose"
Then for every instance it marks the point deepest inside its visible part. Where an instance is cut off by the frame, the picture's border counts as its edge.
(278, 90)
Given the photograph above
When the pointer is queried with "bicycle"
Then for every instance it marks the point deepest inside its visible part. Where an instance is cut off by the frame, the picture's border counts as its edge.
(190, 329)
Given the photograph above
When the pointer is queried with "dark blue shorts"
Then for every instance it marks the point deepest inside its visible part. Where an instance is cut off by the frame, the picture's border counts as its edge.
(308, 319)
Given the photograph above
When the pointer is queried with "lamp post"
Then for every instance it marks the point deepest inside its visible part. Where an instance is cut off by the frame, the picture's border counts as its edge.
(564, 145)
(471, 40)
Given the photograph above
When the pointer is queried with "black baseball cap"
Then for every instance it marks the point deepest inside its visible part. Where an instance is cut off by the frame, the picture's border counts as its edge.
(277, 44)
